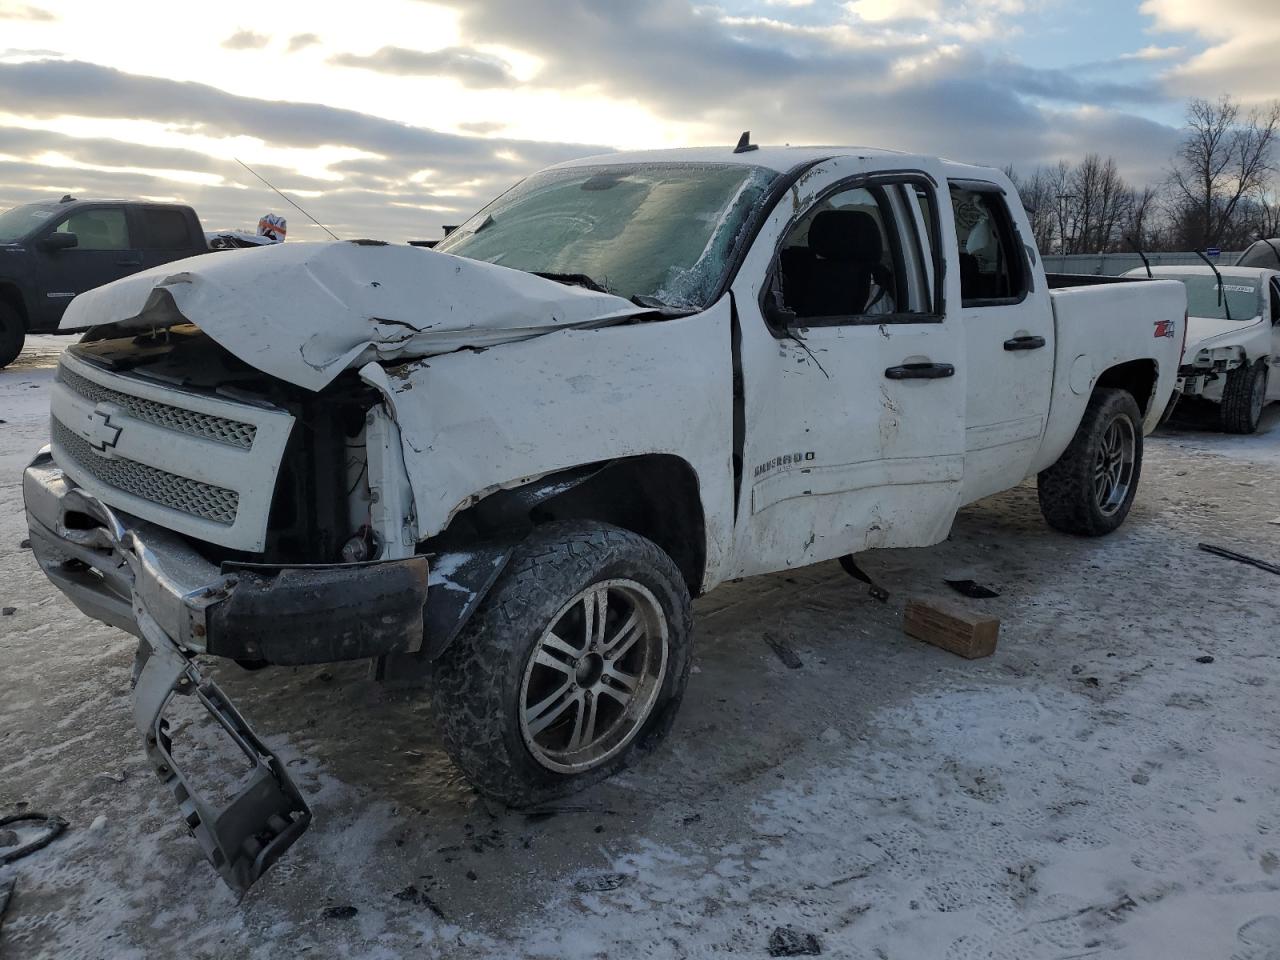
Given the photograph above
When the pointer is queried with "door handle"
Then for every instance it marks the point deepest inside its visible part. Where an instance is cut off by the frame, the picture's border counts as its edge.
(1024, 343)
(129, 263)
(921, 371)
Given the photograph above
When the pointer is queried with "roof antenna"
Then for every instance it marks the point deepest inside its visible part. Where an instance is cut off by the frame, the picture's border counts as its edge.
(288, 200)
(744, 143)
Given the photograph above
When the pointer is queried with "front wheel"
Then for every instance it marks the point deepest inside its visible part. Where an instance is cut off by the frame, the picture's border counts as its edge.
(575, 662)
(1090, 489)
(1243, 398)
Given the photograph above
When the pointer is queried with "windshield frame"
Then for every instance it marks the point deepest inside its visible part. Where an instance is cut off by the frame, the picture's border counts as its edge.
(756, 213)
(50, 208)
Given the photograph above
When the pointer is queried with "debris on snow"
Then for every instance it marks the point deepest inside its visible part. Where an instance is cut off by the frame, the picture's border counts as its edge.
(971, 589)
(784, 651)
(1240, 558)
(344, 912)
(952, 628)
(790, 942)
(54, 827)
(600, 883)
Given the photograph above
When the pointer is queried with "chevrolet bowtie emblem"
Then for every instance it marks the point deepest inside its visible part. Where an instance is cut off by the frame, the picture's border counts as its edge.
(99, 430)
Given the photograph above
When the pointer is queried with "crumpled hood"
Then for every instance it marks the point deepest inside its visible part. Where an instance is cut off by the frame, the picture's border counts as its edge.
(304, 312)
(1222, 333)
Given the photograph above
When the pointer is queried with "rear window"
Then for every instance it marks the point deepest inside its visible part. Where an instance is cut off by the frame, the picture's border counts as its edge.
(164, 229)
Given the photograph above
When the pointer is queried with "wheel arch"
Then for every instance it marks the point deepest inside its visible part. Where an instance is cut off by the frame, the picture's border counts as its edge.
(1138, 377)
(657, 496)
(11, 296)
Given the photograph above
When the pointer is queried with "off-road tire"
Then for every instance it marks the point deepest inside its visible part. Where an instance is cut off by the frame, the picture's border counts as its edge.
(476, 687)
(1066, 490)
(13, 333)
(1239, 411)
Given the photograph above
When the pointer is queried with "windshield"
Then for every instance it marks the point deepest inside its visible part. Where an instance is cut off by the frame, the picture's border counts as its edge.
(1241, 294)
(665, 231)
(19, 221)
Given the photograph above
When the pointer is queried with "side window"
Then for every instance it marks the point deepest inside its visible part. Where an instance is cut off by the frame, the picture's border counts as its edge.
(102, 229)
(992, 268)
(164, 228)
(1275, 302)
(858, 253)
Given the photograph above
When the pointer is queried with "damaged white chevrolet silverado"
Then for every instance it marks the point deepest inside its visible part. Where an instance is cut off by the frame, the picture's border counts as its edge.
(504, 466)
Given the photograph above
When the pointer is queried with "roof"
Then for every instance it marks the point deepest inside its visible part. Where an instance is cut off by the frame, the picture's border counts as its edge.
(780, 159)
(56, 201)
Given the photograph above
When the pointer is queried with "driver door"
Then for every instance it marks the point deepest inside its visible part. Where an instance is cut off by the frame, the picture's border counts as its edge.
(852, 380)
(104, 251)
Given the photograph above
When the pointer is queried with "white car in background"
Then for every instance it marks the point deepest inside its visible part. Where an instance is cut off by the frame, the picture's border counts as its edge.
(1233, 339)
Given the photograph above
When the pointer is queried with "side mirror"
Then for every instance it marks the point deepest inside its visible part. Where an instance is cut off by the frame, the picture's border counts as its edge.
(59, 241)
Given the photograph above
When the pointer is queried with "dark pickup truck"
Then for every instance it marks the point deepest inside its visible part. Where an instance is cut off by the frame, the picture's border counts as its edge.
(52, 250)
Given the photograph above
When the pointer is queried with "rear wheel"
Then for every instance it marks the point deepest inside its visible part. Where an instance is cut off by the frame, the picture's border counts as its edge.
(575, 662)
(13, 333)
(1243, 398)
(1090, 489)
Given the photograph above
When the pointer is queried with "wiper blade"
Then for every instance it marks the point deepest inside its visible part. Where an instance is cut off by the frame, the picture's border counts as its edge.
(574, 280)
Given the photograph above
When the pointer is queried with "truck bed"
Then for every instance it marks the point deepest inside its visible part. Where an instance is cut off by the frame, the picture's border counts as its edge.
(1101, 323)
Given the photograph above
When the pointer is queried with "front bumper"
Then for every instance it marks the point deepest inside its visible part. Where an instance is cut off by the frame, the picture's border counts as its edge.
(108, 562)
(143, 579)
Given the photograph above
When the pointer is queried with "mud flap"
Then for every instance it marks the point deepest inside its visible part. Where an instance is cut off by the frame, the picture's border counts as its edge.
(244, 837)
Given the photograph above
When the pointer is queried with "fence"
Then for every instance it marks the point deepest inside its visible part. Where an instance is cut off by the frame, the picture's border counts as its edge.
(1115, 264)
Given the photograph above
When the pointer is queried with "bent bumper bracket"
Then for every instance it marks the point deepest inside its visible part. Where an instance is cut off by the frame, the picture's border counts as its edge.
(244, 837)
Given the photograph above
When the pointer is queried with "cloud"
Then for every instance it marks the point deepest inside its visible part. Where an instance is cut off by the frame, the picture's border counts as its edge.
(418, 178)
(469, 67)
(482, 126)
(22, 11)
(246, 40)
(1153, 53)
(837, 81)
(300, 41)
(1243, 36)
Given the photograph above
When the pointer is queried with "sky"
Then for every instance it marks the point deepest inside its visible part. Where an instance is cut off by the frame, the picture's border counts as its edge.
(390, 118)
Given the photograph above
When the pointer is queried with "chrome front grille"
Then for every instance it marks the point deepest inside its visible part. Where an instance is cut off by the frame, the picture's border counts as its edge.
(203, 500)
(231, 432)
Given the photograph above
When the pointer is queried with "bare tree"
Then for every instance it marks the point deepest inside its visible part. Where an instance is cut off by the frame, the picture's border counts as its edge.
(1140, 226)
(1226, 157)
(1038, 200)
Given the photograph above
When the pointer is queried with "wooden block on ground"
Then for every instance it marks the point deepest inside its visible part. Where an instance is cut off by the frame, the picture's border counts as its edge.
(951, 627)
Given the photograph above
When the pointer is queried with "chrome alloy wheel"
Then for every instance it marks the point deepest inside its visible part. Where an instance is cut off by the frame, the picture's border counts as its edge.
(1113, 468)
(593, 676)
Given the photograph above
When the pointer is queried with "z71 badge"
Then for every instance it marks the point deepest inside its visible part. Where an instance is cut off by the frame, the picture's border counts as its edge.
(1165, 328)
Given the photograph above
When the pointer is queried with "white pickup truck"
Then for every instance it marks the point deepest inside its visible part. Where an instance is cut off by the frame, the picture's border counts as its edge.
(1233, 339)
(506, 465)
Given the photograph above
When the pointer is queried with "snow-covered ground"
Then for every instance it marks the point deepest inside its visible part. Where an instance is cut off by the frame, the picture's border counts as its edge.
(1093, 790)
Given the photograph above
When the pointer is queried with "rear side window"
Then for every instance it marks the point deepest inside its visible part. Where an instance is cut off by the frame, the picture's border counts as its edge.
(1275, 302)
(993, 270)
(164, 229)
(102, 229)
